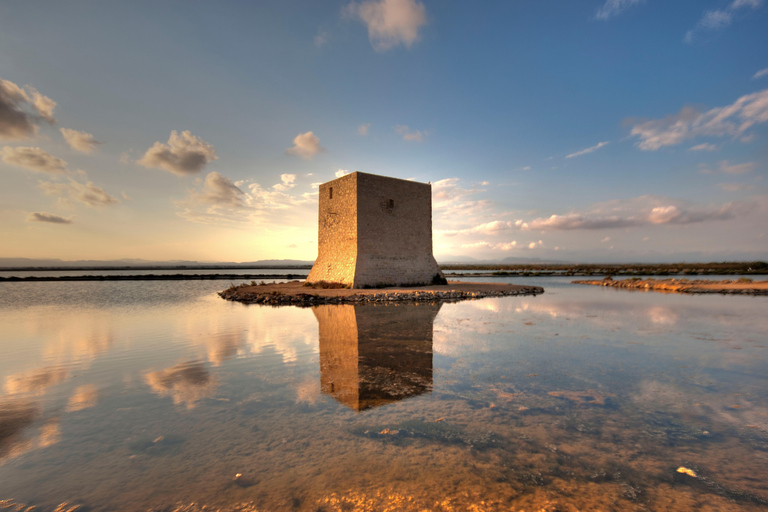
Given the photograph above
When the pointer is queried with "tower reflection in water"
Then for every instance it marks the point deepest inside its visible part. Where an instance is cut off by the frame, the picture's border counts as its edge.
(373, 355)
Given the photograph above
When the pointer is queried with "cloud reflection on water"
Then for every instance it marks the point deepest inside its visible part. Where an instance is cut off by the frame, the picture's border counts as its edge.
(186, 383)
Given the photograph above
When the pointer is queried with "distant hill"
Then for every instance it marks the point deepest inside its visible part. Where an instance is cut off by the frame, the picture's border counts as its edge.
(458, 260)
(139, 263)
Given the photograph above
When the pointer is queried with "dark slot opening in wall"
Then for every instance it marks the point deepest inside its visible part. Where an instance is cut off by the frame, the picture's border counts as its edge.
(391, 203)
(330, 192)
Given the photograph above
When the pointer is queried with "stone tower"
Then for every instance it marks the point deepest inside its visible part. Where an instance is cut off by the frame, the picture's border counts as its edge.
(375, 231)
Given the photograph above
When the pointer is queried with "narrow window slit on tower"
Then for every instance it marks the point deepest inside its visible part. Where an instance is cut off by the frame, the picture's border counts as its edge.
(330, 192)
(391, 204)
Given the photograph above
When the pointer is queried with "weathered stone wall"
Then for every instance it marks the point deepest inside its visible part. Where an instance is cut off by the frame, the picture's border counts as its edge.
(337, 232)
(374, 231)
(394, 235)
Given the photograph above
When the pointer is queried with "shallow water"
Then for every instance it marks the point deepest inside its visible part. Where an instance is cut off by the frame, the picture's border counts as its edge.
(157, 395)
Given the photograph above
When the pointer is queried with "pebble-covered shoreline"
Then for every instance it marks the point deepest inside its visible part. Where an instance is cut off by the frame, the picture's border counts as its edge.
(311, 299)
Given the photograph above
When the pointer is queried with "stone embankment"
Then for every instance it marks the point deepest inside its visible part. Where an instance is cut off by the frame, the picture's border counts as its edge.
(282, 294)
(726, 287)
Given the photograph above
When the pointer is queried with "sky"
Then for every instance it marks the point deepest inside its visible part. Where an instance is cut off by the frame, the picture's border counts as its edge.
(584, 130)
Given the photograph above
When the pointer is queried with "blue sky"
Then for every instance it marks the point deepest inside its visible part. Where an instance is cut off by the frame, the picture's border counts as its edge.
(590, 130)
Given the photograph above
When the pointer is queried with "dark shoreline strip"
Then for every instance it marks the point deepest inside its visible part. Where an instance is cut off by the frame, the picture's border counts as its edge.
(672, 286)
(153, 277)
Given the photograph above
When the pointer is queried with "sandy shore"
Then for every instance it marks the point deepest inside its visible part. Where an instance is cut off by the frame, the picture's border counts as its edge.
(295, 293)
(685, 286)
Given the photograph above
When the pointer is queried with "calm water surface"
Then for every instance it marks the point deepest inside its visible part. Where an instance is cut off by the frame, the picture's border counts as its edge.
(123, 396)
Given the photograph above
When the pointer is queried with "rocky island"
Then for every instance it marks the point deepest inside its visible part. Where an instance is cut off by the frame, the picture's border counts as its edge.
(296, 293)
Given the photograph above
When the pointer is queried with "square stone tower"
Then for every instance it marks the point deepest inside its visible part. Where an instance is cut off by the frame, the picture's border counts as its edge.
(375, 231)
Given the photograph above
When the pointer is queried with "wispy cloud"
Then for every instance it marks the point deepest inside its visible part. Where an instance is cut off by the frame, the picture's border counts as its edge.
(390, 22)
(640, 211)
(34, 159)
(760, 74)
(588, 150)
(48, 217)
(87, 193)
(79, 141)
(184, 154)
(321, 38)
(306, 145)
(704, 147)
(363, 129)
(410, 135)
(502, 246)
(732, 120)
(219, 190)
(613, 8)
(725, 167)
(734, 187)
(21, 109)
(221, 201)
(718, 19)
(287, 181)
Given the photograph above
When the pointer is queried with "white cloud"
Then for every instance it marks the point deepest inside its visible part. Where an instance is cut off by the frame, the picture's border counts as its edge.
(477, 245)
(640, 211)
(321, 38)
(221, 201)
(725, 167)
(588, 150)
(486, 228)
(704, 147)
(390, 22)
(219, 190)
(85, 193)
(306, 145)
(21, 109)
(183, 154)
(47, 217)
(341, 172)
(410, 135)
(507, 246)
(732, 120)
(718, 19)
(363, 129)
(734, 187)
(287, 182)
(447, 193)
(613, 8)
(606, 239)
(79, 141)
(736, 168)
(34, 159)
(760, 74)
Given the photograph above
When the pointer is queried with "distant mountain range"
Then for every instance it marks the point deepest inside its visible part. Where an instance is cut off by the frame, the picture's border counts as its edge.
(458, 260)
(141, 263)
(131, 262)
